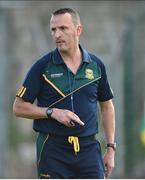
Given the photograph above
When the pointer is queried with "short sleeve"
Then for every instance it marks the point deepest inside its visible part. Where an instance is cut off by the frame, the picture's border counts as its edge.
(105, 92)
(32, 84)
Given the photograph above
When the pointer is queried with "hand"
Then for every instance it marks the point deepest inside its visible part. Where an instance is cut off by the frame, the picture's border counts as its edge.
(66, 117)
(109, 161)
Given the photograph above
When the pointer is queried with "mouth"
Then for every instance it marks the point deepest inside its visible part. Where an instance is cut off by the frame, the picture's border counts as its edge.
(60, 42)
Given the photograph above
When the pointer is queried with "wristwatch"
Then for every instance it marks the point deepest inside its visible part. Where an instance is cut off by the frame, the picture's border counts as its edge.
(49, 112)
(112, 145)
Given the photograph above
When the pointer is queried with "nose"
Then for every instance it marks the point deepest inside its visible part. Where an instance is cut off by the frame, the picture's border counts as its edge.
(57, 34)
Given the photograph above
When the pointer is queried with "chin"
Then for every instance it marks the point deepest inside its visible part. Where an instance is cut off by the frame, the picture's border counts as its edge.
(62, 49)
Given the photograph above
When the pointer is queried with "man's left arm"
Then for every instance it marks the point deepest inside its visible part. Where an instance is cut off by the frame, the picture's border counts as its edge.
(108, 119)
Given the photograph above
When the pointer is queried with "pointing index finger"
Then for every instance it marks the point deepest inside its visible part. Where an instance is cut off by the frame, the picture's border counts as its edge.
(77, 120)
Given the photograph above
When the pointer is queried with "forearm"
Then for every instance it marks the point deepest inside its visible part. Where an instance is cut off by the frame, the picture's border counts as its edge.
(109, 127)
(27, 110)
(108, 118)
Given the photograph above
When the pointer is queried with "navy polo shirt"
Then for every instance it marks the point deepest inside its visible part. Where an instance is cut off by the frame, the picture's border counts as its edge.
(52, 84)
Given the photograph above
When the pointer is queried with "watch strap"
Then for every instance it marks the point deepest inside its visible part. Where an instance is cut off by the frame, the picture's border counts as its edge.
(112, 145)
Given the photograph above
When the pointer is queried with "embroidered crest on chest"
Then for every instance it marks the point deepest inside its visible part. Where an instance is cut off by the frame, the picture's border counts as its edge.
(89, 74)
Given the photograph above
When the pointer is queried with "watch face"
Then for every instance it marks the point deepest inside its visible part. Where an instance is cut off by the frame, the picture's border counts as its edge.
(49, 112)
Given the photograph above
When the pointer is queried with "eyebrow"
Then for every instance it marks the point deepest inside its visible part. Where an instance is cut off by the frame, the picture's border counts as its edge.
(63, 26)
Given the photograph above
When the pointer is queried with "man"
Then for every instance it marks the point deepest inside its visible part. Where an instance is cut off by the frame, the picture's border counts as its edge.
(67, 83)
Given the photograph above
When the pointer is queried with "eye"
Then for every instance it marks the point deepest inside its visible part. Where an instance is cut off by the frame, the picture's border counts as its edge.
(63, 28)
(53, 29)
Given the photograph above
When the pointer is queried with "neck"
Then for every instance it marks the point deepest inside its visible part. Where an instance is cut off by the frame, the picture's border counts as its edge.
(72, 59)
(72, 56)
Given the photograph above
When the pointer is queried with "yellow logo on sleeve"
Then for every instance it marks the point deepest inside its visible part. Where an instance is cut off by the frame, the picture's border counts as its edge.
(89, 74)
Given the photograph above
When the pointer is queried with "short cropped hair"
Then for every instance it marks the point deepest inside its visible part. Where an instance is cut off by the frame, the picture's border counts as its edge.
(75, 16)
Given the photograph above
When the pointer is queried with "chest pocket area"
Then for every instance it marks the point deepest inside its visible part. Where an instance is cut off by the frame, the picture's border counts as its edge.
(53, 86)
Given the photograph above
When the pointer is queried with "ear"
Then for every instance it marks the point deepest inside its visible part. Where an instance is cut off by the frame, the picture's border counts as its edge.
(79, 30)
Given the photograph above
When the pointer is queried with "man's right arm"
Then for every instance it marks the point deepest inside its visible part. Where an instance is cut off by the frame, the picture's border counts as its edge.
(28, 110)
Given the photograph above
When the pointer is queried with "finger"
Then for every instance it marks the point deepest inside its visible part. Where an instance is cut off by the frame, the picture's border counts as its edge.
(72, 123)
(68, 124)
(108, 171)
(76, 119)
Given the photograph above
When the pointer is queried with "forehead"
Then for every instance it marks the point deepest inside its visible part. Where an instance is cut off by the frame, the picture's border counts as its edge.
(61, 19)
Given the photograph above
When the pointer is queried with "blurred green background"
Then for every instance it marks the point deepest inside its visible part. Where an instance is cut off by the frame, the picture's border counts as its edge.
(115, 31)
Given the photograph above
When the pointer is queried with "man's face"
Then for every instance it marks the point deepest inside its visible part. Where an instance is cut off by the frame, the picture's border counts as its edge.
(64, 32)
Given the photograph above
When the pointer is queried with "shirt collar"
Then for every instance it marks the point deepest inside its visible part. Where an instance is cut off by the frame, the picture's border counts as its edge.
(57, 59)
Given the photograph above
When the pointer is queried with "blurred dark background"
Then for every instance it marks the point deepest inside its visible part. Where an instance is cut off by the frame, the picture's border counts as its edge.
(115, 31)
